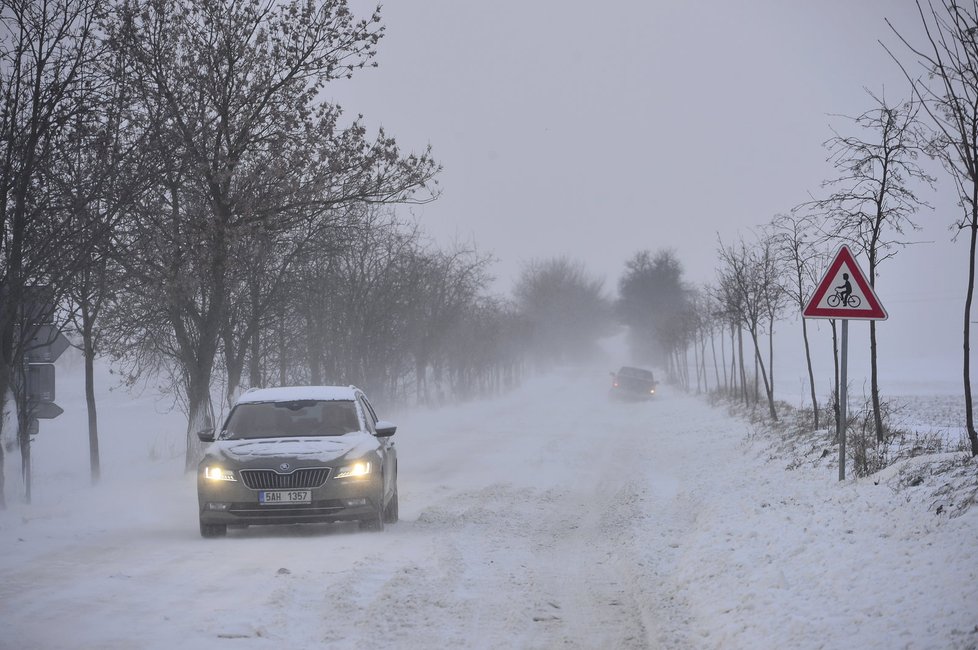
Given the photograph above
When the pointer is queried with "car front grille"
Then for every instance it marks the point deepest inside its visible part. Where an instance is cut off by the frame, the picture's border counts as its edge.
(267, 479)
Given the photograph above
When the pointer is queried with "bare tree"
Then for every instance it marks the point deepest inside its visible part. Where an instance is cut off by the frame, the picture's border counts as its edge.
(283, 270)
(729, 310)
(43, 48)
(796, 251)
(486, 347)
(651, 299)
(948, 91)
(566, 308)
(714, 322)
(234, 87)
(752, 274)
(446, 285)
(356, 317)
(873, 199)
(99, 175)
(378, 306)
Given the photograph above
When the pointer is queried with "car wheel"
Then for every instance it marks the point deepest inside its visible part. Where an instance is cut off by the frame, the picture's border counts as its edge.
(213, 530)
(391, 511)
(376, 521)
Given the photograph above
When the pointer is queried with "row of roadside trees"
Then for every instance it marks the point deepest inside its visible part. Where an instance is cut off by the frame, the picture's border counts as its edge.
(871, 205)
(172, 178)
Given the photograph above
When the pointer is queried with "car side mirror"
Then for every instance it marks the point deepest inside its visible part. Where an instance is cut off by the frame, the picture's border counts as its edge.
(385, 429)
(206, 435)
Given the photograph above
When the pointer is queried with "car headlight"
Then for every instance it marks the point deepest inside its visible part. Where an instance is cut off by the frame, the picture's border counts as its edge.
(361, 468)
(219, 474)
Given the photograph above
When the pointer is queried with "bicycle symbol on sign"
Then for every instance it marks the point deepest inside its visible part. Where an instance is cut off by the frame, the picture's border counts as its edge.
(843, 295)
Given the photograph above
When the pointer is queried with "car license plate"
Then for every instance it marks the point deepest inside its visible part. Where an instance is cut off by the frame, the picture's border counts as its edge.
(284, 496)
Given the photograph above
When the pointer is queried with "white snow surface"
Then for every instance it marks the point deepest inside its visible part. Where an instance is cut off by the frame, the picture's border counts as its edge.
(549, 517)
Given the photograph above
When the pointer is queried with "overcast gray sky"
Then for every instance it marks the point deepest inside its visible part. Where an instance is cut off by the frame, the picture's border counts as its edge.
(595, 130)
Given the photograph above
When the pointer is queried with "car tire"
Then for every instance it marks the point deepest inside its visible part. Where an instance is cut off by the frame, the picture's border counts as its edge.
(213, 530)
(376, 522)
(391, 511)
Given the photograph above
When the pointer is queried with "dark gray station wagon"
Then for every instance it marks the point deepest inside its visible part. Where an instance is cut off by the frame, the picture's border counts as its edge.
(300, 454)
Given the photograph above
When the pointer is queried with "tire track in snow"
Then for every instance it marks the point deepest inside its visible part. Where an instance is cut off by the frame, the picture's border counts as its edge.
(581, 559)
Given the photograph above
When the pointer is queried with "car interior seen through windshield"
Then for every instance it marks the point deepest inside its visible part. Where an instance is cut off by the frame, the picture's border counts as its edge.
(295, 418)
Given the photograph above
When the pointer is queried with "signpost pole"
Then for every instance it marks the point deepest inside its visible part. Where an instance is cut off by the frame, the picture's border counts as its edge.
(843, 399)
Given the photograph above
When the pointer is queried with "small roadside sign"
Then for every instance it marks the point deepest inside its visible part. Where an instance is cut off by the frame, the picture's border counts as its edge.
(844, 293)
(45, 410)
(47, 344)
(40, 382)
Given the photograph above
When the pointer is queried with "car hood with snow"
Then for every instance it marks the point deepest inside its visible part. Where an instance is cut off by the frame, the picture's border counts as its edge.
(313, 449)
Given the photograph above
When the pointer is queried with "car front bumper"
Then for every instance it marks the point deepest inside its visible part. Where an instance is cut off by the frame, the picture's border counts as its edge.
(231, 502)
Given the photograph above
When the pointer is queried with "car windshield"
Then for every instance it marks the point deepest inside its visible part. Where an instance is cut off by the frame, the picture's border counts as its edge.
(289, 419)
(636, 373)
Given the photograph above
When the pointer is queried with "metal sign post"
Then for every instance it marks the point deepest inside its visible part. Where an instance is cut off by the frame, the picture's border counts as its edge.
(840, 425)
(41, 350)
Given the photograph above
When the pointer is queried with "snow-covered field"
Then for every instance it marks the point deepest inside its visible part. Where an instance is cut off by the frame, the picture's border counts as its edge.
(547, 518)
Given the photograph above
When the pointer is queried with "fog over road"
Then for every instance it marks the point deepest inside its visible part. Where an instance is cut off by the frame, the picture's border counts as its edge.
(549, 517)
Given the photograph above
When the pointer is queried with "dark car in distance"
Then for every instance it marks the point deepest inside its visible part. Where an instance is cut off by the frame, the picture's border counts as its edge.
(300, 454)
(632, 383)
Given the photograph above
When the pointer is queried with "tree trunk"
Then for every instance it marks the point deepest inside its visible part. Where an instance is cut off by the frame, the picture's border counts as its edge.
(24, 438)
(200, 413)
(421, 381)
(743, 371)
(757, 373)
(702, 366)
(283, 368)
(233, 365)
(254, 366)
(687, 381)
(759, 365)
(716, 368)
(23, 433)
(4, 401)
(874, 383)
(968, 404)
(235, 369)
(723, 359)
(733, 362)
(811, 374)
(88, 345)
(770, 355)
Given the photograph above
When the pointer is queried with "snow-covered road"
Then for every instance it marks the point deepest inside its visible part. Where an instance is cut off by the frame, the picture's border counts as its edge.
(548, 518)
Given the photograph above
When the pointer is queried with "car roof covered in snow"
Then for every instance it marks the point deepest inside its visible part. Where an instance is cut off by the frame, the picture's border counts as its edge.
(293, 393)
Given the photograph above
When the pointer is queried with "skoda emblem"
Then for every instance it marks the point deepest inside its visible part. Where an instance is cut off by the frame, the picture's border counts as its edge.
(285, 467)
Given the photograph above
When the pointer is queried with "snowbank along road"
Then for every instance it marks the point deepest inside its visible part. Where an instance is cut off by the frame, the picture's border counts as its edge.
(548, 518)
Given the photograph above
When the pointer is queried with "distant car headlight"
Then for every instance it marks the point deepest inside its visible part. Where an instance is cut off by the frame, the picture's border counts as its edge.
(219, 474)
(361, 468)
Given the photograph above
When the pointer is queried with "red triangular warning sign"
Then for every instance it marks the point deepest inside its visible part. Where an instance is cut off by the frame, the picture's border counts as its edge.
(844, 293)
